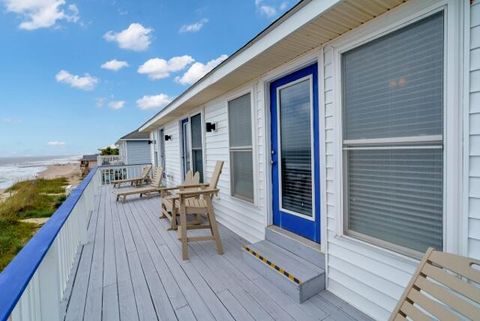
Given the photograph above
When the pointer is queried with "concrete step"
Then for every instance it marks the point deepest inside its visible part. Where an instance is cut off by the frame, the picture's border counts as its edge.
(295, 276)
(302, 247)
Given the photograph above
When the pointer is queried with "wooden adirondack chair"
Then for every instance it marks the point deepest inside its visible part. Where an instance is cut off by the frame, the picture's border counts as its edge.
(168, 210)
(444, 287)
(198, 201)
(135, 181)
(154, 187)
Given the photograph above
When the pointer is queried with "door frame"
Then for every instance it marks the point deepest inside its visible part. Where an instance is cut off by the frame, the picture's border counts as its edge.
(298, 224)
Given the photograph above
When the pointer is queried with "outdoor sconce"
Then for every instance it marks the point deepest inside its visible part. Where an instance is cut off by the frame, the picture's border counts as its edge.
(168, 137)
(150, 142)
(211, 127)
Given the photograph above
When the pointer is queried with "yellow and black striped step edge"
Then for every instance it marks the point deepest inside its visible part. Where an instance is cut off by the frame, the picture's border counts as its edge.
(272, 265)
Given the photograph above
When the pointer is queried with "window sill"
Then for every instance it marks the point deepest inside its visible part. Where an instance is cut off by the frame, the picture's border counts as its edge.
(379, 249)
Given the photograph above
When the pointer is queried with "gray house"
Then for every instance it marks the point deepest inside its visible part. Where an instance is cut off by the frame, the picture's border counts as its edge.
(134, 148)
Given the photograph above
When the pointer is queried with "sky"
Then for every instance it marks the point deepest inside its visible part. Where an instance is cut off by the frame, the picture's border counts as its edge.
(76, 75)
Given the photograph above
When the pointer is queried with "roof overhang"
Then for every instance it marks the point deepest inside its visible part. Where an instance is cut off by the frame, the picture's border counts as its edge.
(306, 26)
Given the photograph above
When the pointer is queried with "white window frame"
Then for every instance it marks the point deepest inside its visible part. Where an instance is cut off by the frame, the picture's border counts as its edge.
(312, 149)
(397, 19)
(234, 96)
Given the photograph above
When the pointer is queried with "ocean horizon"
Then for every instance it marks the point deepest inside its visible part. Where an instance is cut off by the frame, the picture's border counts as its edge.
(15, 169)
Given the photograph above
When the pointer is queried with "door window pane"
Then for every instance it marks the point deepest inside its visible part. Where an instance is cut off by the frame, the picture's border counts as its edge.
(296, 149)
(185, 149)
(196, 130)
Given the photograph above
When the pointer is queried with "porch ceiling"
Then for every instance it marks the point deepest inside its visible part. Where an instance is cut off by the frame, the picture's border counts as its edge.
(337, 18)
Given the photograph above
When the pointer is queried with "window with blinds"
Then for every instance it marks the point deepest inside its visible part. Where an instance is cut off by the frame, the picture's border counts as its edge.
(241, 158)
(196, 137)
(392, 91)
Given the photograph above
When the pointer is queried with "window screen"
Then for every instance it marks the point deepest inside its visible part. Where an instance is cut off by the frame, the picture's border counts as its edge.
(393, 89)
(240, 135)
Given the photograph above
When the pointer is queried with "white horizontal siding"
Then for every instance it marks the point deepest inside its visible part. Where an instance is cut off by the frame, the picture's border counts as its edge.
(138, 152)
(474, 132)
(172, 153)
(244, 218)
(369, 278)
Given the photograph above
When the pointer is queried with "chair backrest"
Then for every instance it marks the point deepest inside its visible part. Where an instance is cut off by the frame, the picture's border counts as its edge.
(444, 287)
(146, 171)
(216, 174)
(190, 179)
(157, 177)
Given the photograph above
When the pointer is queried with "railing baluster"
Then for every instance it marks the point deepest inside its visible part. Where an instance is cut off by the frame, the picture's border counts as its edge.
(49, 285)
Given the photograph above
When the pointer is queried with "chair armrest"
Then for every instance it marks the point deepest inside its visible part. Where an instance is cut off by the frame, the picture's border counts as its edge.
(189, 194)
(202, 185)
(167, 188)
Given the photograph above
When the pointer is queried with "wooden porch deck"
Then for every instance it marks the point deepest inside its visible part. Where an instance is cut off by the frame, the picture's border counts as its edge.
(131, 269)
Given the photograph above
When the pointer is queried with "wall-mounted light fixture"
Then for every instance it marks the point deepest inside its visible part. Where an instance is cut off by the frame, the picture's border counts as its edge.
(168, 137)
(150, 142)
(211, 127)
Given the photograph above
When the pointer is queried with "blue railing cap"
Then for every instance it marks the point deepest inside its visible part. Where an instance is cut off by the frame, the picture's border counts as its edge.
(16, 276)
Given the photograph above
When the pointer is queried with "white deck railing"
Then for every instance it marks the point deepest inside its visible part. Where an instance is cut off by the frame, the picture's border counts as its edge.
(34, 284)
(116, 172)
(109, 160)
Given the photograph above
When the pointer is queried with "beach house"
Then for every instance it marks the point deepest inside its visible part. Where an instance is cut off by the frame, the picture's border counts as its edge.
(350, 138)
(134, 148)
(351, 124)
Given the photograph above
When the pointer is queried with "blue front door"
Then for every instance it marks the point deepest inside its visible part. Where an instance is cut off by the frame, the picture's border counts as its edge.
(295, 156)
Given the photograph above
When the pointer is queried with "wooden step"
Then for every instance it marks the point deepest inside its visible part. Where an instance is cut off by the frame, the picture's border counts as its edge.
(302, 247)
(292, 274)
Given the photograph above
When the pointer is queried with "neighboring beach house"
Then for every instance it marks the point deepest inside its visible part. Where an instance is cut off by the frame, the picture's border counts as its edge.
(354, 125)
(134, 148)
(87, 163)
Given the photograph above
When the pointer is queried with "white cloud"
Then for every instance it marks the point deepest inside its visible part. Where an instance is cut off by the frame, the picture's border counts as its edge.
(270, 8)
(56, 143)
(158, 68)
(100, 102)
(11, 121)
(198, 70)
(114, 65)
(42, 13)
(136, 37)
(85, 82)
(152, 102)
(116, 104)
(194, 27)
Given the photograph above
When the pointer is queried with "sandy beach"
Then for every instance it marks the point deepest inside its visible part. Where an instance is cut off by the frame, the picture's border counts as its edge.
(70, 171)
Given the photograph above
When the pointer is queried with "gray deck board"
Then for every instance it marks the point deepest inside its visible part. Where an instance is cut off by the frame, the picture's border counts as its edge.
(131, 269)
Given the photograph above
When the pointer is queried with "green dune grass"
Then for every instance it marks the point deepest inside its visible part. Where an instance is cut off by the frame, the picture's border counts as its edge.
(37, 198)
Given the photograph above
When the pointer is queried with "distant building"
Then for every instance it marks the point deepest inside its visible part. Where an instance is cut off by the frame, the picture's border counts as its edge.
(134, 148)
(87, 162)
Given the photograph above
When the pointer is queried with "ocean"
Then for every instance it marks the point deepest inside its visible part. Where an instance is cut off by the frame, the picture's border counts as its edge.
(15, 169)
